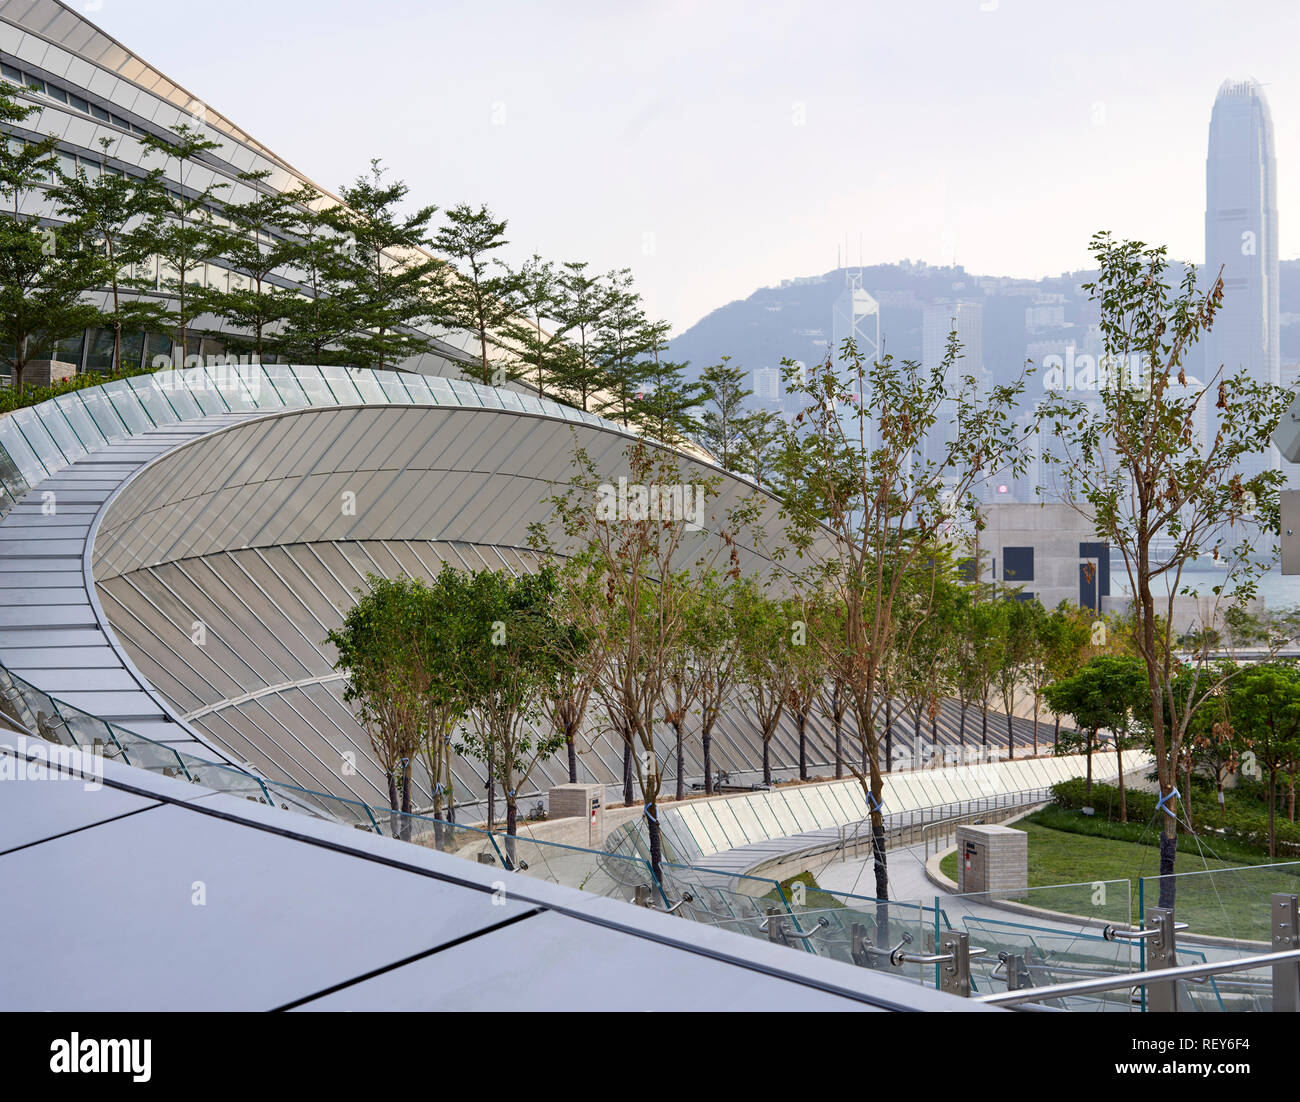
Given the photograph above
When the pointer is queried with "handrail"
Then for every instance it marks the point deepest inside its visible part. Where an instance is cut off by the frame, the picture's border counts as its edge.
(1136, 979)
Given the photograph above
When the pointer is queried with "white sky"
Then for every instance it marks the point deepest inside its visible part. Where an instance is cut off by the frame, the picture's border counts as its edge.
(661, 134)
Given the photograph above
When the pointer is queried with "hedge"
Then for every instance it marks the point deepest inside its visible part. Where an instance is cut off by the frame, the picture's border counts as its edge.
(1243, 820)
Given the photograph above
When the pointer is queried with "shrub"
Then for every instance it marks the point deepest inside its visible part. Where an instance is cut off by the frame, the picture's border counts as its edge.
(1244, 819)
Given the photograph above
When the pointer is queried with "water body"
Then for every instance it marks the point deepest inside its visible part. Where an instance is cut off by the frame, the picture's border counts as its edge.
(1278, 591)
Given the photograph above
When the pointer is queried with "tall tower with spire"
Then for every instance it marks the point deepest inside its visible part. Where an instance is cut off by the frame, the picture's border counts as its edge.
(1241, 239)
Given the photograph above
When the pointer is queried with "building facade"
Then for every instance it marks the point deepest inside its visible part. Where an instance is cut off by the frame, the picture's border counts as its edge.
(88, 88)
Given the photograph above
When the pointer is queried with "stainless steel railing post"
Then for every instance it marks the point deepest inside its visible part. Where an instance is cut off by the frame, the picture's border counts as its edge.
(1286, 935)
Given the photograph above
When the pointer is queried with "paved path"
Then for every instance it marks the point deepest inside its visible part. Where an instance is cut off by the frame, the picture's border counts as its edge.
(51, 632)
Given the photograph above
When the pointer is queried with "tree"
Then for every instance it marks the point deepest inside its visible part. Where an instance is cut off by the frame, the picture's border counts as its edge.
(717, 653)
(1019, 653)
(44, 269)
(683, 678)
(379, 648)
(1063, 634)
(483, 297)
(619, 348)
(667, 406)
(808, 672)
(258, 241)
(864, 518)
(724, 419)
(765, 636)
(761, 434)
(1133, 466)
(330, 307)
(507, 666)
(445, 633)
(1264, 703)
(988, 629)
(576, 662)
(113, 216)
(652, 563)
(184, 236)
(927, 623)
(1101, 695)
(393, 287)
(541, 349)
(1213, 745)
(579, 309)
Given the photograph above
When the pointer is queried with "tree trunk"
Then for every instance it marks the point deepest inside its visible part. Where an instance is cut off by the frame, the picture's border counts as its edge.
(656, 842)
(881, 868)
(1119, 762)
(406, 799)
(1056, 736)
(394, 816)
(889, 736)
(984, 724)
(916, 737)
(803, 746)
(627, 771)
(839, 748)
(512, 827)
(491, 801)
(706, 741)
(1011, 738)
(681, 764)
(767, 760)
(1035, 725)
(1087, 788)
(961, 723)
(571, 739)
(934, 732)
(1272, 812)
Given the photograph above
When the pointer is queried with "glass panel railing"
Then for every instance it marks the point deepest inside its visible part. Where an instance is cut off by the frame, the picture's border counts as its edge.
(394, 389)
(153, 399)
(38, 436)
(467, 842)
(204, 391)
(342, 385)
(286, 385)
(178, 395)
(372, 393)
(1228, 912)
(593, 871)
(101, 411)
(1045, 935)
(441, 390)
(418, 388)
(128, 407)
(260, 390)
(314, 386)
(731, 901)
(231, 383)
(58, 427)
(76, 414)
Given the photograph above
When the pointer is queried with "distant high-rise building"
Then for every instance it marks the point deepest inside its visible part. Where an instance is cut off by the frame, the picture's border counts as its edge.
(856, 316)
(939, 320)
(1241, 238)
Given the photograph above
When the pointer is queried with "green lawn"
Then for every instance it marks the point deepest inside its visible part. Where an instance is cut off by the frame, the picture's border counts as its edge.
(1231, 905)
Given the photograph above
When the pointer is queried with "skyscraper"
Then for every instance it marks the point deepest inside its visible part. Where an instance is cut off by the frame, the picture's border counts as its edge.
(1241, 238)
(939, 320)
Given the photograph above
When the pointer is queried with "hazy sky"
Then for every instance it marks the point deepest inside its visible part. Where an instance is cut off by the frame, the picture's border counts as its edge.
(718, 146)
